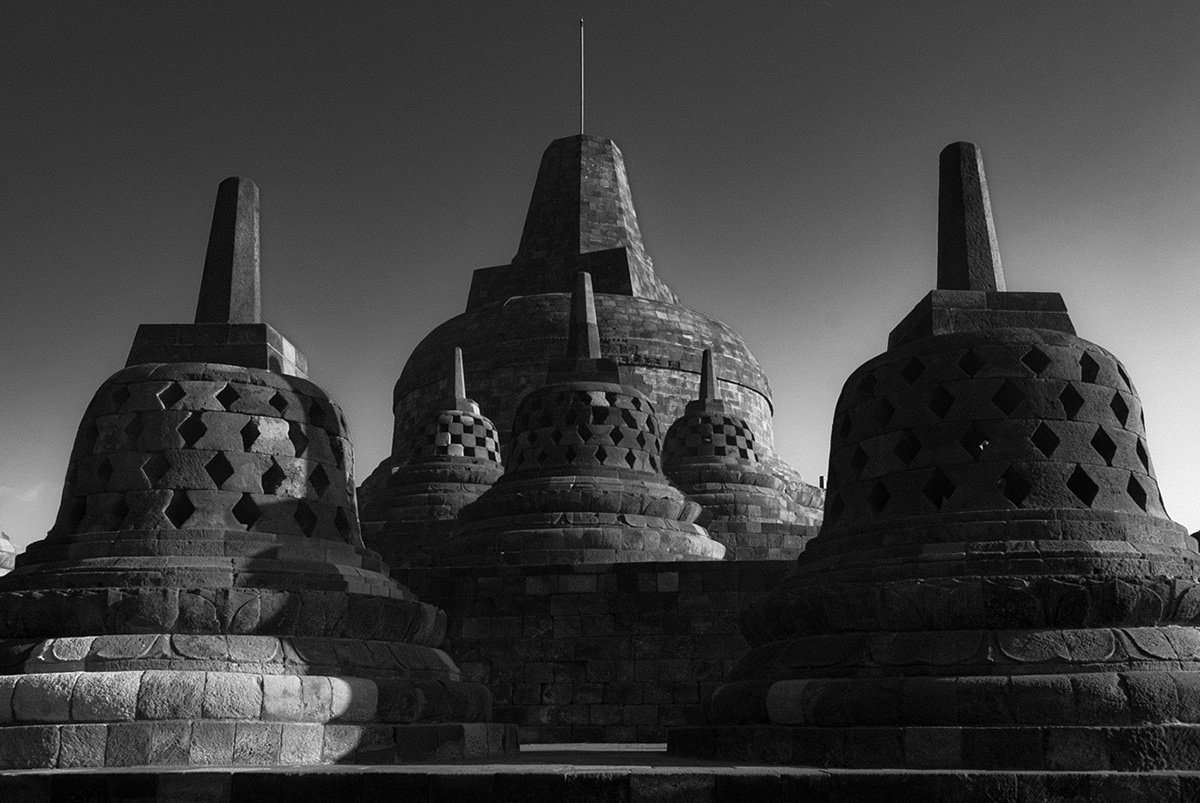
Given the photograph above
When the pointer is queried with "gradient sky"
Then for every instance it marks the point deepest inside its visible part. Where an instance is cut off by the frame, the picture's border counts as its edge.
(783, 160)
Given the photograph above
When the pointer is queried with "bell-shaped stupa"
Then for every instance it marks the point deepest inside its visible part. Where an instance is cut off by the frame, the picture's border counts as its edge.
(204, 597)
(8, 554)
(996, 584)
(710, 454)
(583, 482)
(453, 459)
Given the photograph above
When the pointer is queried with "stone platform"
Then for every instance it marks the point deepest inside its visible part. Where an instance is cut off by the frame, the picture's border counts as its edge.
(598, 772)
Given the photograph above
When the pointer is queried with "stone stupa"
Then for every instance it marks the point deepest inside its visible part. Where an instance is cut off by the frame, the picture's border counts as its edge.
(711, 454)
(204, 597)
(8, 554)
(996, 584)
(583, 482)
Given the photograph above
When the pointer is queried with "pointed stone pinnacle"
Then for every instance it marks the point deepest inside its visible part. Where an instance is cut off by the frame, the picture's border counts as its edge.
(583, 336)
(460, 383)
(229, 291)
(968, 255)
(708, 380)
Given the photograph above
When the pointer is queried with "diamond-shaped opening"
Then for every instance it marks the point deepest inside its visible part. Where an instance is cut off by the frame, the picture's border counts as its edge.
(246, 511)
(279, 402)
(1119, 407)
(557, 435)
(1014, 485)
(272, 478)
(1072, 402)
(834, 507)
(318, 416)
(642, 440)
(570, 453)
(845, 426)
(653, 463)
(1089, 369)
(250, 434)
(219, 468)
(611, 398)
(319, 480)
(938, 489)
(305, 518)
(1136, 492)
(1045, 440)
(884, 412)
(940, 402)
(179, 509)
(1104, 446)
(1124, 376)
(192, 429)
(600, 415)
(652, 423)
(227, 396)
(858, 461)
(878, 498)
(617, 435)
(631, 459)
(118, 513)
(584, 432)
(171, 395)
(970, 363)
(155, 468)
(974, 441)
(1008, 397)
(104, 472)
(1036, 360)
(341, 520)
(1143, 455)
(630, 419)
(601, 454)
(1082, 485)
(912, 370)
(298, 438)
(119, 396)
(908, 448)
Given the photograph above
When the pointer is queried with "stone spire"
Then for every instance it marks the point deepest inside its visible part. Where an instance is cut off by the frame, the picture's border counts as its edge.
(708, 380)
(580, 217)
(230, 289)
(460, 381)
(968, 254)
(583, 338)
(228, 328)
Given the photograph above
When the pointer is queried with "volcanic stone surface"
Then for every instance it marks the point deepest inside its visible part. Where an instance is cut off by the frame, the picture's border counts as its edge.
(996, 584)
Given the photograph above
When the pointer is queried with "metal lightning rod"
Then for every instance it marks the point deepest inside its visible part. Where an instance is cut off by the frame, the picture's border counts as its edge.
(581, 76)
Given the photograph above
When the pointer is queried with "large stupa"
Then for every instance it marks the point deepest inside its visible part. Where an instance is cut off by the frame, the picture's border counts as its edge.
(204, 597)
(581, 218)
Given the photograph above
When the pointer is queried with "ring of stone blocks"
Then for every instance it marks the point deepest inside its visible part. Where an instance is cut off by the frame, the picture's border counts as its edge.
(984, 424)
(230, 611)
(219, 743)
(707, 435)
(458, 434)
(589, 495)
(952, 607)
(547, 545)
(256, 654)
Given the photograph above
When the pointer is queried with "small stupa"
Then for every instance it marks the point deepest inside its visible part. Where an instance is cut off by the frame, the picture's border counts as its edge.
(710, 454)
(454, 459)
(583, 482)
(996, 584)
(8, 554)
(204, 597)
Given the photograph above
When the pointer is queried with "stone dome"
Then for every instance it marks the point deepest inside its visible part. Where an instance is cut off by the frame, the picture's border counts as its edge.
(581, 218)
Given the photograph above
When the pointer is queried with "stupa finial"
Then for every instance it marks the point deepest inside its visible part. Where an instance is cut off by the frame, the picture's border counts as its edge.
(460, 383)
(229, 291)
(708, 380)
(583, 338)
(968, 254)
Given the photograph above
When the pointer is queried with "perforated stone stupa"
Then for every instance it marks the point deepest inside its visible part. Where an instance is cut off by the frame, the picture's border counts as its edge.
(454, 459)
(204, 597)
(996, 584)
(583, 482)
(581, 218)
(712, 456)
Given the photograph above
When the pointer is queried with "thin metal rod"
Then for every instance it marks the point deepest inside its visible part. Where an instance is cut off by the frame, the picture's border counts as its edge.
(581, 76)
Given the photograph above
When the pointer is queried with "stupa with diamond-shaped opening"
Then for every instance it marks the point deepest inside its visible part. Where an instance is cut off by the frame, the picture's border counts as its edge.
(996, 584)
(204, 597)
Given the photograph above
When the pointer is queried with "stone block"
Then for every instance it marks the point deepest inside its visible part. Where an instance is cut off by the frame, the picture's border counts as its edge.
(105, 696)
(256, 743)
(353, 699)
(26, 747)
(1153, 696)
(340, 743)
(212, 743)
(1100, 699)
(933, 747)
(8, 685)
(233, 695)
(301, 744)
(171, 694)
(170, 743)
(128, 744)
(82, 745)
(44, 697)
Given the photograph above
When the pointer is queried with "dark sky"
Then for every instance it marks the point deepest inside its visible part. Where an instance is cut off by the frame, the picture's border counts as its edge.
(782, 157)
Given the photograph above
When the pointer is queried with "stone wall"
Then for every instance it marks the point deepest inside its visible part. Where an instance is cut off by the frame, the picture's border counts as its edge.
(600, 653)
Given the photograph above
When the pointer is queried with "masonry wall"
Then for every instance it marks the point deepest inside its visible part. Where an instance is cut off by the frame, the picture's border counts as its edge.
(600, 653)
